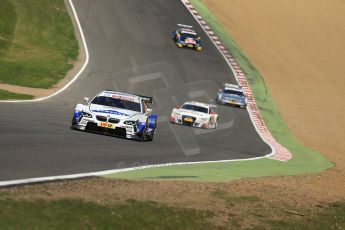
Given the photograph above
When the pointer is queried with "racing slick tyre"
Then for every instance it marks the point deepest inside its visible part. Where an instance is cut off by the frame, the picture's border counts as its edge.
(179, 45)
(74, 125)
(214, 126)
(198, 48)
(150, 137)
(218, 101)
(145, 135)
(152, 123)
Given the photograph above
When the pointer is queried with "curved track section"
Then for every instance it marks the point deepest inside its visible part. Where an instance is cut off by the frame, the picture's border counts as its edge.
(130, 49)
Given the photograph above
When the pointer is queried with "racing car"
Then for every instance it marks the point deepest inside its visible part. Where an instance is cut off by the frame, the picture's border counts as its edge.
(117, 114)
(231, 94)
(185, 36)
(195, 114)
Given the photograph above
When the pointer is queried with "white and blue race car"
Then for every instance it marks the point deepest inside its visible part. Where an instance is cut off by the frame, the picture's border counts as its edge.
(185, 36)
(231, 94)
(117, 114)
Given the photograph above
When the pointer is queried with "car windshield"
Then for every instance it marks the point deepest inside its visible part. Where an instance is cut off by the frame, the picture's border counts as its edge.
(227, 91)
(184, 36)
(118, 103)
(195, 108)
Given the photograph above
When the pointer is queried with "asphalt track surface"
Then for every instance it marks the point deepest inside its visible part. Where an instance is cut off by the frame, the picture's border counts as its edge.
(131, 50)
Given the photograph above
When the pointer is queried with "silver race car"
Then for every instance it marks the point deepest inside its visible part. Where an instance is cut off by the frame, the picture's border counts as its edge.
(231, 94)
(117, 114)
(195, 114)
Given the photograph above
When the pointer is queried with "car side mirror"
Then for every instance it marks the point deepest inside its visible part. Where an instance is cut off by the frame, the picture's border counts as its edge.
(86, 99)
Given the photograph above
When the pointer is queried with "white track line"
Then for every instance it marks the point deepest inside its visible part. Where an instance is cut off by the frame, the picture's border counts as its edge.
(75, 77)
(106, 172)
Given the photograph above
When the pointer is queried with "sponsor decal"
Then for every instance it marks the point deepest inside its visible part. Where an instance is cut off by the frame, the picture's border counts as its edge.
(106, 125)
(123, 98)
(188, 119)
(110, 112)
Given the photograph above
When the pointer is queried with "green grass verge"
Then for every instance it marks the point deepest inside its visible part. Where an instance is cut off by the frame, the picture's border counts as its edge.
(231, 201)
(304, 159)
(330, 217)
(37, 42)
(8, 95)
(77, 214)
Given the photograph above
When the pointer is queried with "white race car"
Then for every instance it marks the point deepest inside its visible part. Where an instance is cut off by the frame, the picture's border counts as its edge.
(117, 114)
(195, 114)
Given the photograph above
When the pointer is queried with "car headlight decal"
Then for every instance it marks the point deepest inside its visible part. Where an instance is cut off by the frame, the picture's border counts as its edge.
(85, 114)
(130, 122)
(177, 114)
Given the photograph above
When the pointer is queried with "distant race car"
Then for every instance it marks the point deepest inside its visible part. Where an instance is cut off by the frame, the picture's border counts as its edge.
(231, 94)
(195, 114)
(117, 114)
(185, 36)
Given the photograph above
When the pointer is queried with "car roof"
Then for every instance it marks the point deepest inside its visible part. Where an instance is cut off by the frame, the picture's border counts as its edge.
(200, 104)
(228, 86)
(120, 95)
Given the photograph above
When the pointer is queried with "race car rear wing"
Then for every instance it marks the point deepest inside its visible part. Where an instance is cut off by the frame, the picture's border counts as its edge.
(232, 86)
(205, 104)
(147, 99)
(185, 26)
